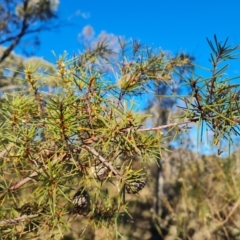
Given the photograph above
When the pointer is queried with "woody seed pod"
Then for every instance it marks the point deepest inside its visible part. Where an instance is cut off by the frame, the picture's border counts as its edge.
(134, 186)
(81, 202)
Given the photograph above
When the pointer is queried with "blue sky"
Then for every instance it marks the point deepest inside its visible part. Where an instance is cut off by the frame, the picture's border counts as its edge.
(173, 25)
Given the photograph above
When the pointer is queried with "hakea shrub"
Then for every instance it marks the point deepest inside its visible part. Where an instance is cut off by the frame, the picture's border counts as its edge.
(65, 144)
(70, 139)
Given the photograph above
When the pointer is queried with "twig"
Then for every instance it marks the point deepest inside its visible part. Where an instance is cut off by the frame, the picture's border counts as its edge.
(233, 210)
(18, 219)
(165, 126)
(25, 180)
(21, 33)
(34, 174)
(103, 160)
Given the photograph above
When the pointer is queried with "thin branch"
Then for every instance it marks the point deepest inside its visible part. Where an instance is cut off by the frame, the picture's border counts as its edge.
(34, 174)
(166, 126)
(233, 210)
(25, 180)
(31, 31)
(17, 39)
(18, 219)
(102, 159)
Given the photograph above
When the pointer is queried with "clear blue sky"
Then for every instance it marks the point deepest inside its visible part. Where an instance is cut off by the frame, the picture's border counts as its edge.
(175, 25)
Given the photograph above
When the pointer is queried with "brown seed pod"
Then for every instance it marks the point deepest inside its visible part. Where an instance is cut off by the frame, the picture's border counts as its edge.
(134, 186)
(81, 202)
(100, 172)
(26, 209)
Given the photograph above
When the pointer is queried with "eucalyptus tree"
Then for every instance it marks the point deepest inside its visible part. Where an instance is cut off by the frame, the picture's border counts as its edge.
(20, 25)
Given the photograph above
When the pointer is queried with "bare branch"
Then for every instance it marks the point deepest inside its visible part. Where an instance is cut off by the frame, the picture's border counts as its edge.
(25, 180)
(34, 174)
(102, 159)
(30, 31)
(165, 126)
(18, 37)
(18, 219)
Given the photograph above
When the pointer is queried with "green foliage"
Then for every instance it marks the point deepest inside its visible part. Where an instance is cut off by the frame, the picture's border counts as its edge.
(215, 101)
(76, 150)
(81, 136)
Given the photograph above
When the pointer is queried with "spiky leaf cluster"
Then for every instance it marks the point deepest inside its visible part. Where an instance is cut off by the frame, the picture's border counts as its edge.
(215, 99)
